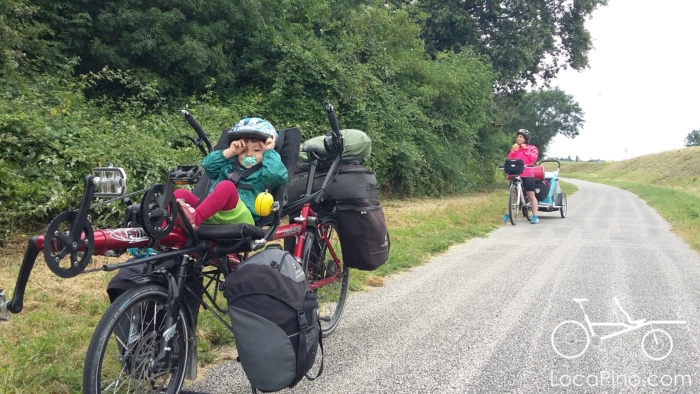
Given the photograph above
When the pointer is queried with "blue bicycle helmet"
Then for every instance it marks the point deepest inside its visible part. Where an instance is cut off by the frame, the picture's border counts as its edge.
(256, 128)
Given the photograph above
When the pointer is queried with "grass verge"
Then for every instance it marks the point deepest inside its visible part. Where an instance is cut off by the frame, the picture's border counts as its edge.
(43, 348)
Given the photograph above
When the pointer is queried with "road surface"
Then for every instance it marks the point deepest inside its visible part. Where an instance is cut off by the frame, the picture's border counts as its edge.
(479, 318)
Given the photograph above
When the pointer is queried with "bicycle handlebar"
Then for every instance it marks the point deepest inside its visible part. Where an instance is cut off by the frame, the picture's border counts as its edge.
(330, 111)
(203, 137)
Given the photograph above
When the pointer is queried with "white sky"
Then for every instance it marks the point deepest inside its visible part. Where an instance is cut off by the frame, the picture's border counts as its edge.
(642, 90)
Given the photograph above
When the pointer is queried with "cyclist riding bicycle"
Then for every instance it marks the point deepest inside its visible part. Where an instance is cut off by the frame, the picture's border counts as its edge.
(528, 154)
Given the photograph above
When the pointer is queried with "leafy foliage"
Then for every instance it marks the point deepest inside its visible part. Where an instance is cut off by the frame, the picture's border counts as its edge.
(693, 138)
(21, 43)
(524, 39)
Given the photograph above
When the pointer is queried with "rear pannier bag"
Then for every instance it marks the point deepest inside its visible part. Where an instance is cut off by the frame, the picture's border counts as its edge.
(274, 316)
(353, 181)
(541, 190)
(363, 234)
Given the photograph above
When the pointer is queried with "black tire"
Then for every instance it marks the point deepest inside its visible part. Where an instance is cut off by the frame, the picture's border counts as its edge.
(563, 208)
(513, 204)
(116, 348)
(319, 264)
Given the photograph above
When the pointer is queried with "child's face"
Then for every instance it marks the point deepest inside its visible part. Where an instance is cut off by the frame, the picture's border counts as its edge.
(253, 148)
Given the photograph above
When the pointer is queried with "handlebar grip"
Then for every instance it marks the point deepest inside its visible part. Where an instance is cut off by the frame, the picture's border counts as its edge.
(332, 119)
(197, 128)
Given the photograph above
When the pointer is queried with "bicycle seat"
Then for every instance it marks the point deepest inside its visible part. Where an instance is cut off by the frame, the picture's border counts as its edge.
(580, 300)
(228, 233)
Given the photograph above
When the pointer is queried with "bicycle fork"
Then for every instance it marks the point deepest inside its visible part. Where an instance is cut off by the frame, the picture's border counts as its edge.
(176, 285)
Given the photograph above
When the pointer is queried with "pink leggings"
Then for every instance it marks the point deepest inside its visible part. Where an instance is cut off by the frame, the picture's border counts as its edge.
(224, 197)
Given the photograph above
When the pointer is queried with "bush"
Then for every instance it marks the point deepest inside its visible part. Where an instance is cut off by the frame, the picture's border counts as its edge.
(53, 137)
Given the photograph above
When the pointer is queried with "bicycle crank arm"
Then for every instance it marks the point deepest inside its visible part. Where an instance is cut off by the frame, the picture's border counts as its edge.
(15, 305)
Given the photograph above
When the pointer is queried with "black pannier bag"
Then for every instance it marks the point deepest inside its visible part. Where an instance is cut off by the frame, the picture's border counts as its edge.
(353, 181)
(274, 316)
(541, 190)
(363, 234)
(514, 166)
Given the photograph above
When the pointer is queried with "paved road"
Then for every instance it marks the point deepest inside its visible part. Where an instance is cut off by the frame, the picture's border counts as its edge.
(479, 318)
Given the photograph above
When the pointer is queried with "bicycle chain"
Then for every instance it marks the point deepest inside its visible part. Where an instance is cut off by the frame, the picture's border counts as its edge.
(119, 198)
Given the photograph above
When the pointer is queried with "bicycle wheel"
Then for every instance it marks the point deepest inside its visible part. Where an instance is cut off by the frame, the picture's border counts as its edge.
(570, 339)
(657, 346)
(127, 339)
(513, 203)
(319, 264)
(562, 209)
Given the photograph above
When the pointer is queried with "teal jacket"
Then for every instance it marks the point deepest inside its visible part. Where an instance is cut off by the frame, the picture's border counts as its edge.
(273, 172)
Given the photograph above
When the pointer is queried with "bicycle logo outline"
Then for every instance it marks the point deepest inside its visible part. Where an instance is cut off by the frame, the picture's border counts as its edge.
(657, 344)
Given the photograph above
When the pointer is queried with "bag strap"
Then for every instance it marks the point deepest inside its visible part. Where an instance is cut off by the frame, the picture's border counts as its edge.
(301, 348)
(320, 344)
(237, 175)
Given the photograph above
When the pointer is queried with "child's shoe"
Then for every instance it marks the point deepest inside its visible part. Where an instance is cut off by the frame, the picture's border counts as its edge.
(506, 217)
(189, 214)
(535, 220)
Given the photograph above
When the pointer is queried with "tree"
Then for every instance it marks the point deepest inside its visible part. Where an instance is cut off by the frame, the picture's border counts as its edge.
(22, 47)
(546, 113)
(577, 159)
(693, 138)
(524, 39)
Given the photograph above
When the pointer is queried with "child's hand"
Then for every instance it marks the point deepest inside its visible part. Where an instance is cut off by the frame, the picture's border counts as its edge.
(270, 143)
(236, 148)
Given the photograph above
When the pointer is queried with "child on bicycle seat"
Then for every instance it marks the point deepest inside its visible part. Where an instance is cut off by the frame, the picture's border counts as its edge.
(528, 154)
(231, 198)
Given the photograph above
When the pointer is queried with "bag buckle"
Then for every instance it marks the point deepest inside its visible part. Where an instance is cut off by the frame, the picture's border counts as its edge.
(303, 324)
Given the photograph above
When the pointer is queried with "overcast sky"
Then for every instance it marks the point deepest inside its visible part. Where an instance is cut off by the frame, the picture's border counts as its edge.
(642, 90)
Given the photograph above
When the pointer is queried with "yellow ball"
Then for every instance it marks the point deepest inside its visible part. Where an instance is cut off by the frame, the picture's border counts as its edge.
(263, 204)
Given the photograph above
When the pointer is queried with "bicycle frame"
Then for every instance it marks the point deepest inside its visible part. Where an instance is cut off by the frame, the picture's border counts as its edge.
(521, 194)
(626, 327)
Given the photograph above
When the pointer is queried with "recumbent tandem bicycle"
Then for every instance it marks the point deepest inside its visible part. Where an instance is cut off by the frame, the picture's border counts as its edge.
(162, 353)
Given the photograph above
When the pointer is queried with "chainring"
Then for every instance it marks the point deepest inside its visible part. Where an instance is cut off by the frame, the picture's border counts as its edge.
(158, 212)
(58, 244)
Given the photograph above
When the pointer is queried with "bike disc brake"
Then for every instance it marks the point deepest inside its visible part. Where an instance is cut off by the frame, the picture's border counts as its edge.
(58, 244)
(158, 212)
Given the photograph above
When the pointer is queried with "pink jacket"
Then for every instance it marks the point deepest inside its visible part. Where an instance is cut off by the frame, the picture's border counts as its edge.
(528, 155)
